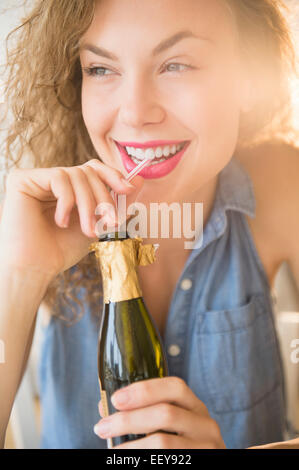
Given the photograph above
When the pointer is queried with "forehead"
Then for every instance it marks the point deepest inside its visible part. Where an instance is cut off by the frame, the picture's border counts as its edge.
(143, 22)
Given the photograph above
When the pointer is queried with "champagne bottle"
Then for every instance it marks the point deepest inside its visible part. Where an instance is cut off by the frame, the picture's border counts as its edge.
(130, 347)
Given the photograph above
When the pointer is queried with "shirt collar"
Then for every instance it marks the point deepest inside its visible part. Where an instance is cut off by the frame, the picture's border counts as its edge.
(235, 189)
(234, 192)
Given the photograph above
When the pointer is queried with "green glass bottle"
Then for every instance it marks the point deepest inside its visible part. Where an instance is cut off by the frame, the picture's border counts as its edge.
(130, 346)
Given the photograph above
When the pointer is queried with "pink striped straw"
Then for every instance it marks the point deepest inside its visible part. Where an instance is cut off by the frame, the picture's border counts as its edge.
(131, 175)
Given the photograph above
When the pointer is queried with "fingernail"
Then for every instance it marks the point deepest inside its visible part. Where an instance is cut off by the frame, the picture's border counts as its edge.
(103, 427)
(65, 222)
(120, 398)
(127, 183)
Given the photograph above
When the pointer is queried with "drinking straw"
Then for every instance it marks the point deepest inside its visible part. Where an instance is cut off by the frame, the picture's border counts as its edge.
(132, 174)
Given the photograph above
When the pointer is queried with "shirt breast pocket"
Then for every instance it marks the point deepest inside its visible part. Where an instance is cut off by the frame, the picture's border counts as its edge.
(238, 353)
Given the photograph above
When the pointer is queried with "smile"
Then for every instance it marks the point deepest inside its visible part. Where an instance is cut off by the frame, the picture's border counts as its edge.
(164, 158)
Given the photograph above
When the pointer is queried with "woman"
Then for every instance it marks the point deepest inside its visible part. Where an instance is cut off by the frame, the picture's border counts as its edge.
(91, 84)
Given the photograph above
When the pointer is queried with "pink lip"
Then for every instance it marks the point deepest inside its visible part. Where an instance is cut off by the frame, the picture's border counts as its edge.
(152, 171)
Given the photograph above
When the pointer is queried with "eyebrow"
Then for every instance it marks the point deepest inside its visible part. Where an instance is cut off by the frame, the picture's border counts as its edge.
(161, 47)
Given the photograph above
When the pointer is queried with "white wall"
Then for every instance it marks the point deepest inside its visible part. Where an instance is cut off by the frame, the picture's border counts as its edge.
(10, 16)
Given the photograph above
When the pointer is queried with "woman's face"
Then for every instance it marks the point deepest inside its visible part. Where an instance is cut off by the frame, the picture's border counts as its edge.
(163, 70)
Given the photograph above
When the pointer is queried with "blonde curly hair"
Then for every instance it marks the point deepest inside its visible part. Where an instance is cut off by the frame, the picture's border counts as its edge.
(43, 92)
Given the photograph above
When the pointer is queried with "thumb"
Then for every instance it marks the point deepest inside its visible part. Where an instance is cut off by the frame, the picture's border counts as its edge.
(137, 181)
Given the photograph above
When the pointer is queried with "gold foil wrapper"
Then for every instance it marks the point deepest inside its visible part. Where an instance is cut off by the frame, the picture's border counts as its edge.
(118, 261)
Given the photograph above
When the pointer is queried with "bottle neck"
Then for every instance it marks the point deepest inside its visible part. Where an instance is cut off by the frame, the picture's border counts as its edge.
(118, 260)
(114, 236)
(118, 256)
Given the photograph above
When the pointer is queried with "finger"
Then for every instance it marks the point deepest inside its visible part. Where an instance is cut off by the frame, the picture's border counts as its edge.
(137, 181)
(101, 194)
(163, 441)
(115, 180)
(85, 200)
(62, 189)
(164, 416)
(161, 390)
(110, 176)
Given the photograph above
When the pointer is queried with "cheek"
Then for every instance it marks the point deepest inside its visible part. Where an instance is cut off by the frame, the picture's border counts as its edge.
(216, 110)
(214, 121)
(95, 113)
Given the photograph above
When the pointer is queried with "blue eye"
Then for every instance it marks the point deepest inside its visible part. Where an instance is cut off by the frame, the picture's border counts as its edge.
(176, 65)
(96, 71)
(101, 72)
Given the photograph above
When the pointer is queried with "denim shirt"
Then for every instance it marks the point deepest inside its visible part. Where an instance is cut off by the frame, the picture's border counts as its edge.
(220, 338)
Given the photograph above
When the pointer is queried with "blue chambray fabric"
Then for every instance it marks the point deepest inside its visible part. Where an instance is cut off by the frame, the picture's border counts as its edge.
(222, 327)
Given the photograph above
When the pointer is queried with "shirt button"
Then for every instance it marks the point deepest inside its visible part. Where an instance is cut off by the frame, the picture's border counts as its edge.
(186, 284)
(174, 350)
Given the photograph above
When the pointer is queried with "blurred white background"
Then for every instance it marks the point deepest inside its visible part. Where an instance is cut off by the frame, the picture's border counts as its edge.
(24, 423)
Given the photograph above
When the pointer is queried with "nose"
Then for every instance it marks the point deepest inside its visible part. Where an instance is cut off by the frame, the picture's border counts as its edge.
(139, 104)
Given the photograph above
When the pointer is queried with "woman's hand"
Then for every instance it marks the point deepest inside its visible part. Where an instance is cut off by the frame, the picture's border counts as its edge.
(166, 404)
(48, 217)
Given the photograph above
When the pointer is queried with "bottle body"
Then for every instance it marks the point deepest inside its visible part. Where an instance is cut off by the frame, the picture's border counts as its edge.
(130, 349)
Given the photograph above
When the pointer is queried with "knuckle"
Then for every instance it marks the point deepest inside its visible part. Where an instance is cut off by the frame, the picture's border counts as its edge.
(86, 168)
(92, 165)
(179, 383)
(59, 172)
(113, 171)
(107, 169)
(142, 390)
(166, 413)
(77, 173)
(91, 173)
(92, 161)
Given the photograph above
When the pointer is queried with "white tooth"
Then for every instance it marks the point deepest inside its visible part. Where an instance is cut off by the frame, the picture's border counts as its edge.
(158, 152)
(166, 151)
(149, 153)
(139, 154)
